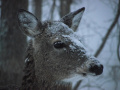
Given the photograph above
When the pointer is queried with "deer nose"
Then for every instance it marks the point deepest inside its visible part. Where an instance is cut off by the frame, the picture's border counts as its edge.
(97, 69)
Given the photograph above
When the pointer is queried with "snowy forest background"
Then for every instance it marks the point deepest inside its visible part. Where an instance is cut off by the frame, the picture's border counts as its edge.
(99, 30)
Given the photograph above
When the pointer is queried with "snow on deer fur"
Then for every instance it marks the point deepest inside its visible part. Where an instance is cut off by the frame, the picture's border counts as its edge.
(55, 56)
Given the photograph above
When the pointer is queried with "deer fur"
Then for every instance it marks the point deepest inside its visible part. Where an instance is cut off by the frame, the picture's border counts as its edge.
(55, 56)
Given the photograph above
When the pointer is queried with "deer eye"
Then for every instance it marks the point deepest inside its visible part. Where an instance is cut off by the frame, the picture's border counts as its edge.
(59, 44)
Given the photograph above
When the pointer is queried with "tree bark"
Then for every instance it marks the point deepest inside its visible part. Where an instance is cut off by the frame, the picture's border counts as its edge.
(38, 8)
(64, 7)
(52, 10)
(109, 31)
(12, 43)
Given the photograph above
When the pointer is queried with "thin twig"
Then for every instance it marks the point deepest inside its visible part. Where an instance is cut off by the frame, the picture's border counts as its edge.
(118, 46)
(77, 85)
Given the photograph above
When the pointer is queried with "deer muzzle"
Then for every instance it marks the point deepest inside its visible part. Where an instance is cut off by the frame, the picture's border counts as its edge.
(97, 69)
(91, 66)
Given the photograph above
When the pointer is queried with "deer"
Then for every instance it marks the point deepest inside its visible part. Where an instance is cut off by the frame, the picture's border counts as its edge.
(55, 55)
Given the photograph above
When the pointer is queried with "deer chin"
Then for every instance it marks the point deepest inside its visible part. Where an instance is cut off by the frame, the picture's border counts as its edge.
(73, 79)
(76, 77)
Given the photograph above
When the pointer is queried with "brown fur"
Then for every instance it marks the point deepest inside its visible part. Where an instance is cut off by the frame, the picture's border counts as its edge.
(55, 55)
(29, 80)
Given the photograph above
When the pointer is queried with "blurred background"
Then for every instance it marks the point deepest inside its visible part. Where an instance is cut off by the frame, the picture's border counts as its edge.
(99, 31)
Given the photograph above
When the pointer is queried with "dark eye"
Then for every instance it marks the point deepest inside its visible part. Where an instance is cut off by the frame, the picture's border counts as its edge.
(59, 45)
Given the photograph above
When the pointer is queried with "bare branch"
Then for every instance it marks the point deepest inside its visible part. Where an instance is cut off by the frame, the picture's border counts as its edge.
(118, 46)
(109, 31)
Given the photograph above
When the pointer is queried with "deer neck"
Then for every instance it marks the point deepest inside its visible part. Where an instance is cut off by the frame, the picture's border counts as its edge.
(30, 81)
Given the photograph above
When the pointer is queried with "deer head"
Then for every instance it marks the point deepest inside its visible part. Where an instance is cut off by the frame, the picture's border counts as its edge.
(58, 52)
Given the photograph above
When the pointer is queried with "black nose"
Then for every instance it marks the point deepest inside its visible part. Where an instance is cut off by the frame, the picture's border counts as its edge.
(97, 69)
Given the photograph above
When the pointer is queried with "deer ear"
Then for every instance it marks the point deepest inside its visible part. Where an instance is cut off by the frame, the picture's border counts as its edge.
(73, 19)
(28, 23)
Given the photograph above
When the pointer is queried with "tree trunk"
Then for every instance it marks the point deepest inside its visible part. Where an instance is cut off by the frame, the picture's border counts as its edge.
(38, 8)
(64, 7)
(12, 43)
(52, 10)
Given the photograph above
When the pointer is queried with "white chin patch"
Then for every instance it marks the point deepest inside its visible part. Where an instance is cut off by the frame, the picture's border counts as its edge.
(73, 79)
